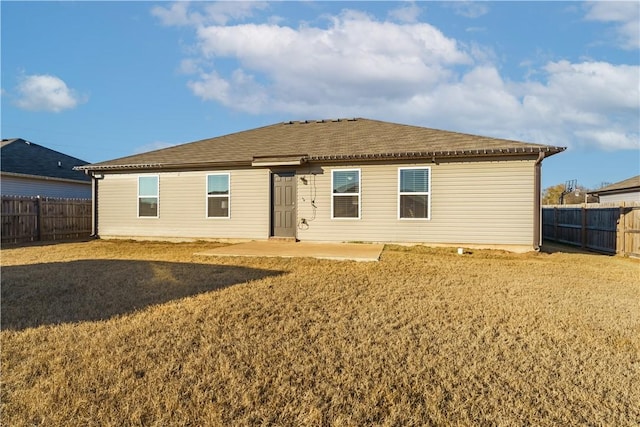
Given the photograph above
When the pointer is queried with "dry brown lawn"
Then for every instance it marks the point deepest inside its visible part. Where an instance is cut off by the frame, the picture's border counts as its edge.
(109, 333)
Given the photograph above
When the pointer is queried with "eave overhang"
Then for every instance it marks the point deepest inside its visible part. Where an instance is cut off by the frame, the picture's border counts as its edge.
(288, 160)
(44, 178)
(616, 191)
(493, 152)
(159, 166)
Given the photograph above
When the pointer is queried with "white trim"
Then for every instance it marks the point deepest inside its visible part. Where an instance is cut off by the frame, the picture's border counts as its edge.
(157, 196)
(216, 196)
(359, 194)
(416, 193)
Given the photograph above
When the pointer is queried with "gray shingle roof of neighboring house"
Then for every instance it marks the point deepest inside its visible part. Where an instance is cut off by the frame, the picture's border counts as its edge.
(324, 140)
(631, 184)
(21, 157)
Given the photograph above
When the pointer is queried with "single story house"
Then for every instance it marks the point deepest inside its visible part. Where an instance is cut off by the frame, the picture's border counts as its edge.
(328, 180)
(627, 191)
(29, 170)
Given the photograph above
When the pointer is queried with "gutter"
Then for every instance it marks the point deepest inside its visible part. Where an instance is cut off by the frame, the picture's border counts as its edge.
(599, 193)
(489, 152)
(537, 195)
(537, 201)
(95, 177)
(160, 166)
(289, 160)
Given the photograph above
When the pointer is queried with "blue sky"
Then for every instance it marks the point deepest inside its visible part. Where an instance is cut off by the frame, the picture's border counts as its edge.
(101, 80)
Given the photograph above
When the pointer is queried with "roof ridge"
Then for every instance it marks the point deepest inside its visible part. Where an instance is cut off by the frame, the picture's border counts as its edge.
(631, 182)
(334, 120)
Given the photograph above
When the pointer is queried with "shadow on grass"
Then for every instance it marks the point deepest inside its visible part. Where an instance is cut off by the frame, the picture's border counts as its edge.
(550, 247)
(11, 245)
(89, 290)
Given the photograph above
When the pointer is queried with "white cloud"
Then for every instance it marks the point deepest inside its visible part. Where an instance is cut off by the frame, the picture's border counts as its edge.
(470, 9)
(240, 91)
(594, 85)
(586, 94)
(190, 66)
(354, 59)
(598, 100)
(408, 13)
(411, 73)
(42, 92)
(613, 139)
(624, 14)
(211, 87)
(589, 104)
(220, 13)
(177, 14)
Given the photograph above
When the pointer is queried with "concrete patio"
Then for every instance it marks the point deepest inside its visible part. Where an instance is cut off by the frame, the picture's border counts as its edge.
(333, 251)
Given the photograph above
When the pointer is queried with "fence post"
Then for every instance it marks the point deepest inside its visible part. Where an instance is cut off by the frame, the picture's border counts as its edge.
(583, 234)
(555, 223)
(621, 231)
(38, 219)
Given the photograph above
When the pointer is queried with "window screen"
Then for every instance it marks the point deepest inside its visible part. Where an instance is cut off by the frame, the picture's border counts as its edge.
(414, 193)
(345, 187)
(148, 196)
(218, 195)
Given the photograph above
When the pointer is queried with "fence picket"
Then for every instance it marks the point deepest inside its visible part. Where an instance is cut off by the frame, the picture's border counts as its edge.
(599, 227)
(30, 219)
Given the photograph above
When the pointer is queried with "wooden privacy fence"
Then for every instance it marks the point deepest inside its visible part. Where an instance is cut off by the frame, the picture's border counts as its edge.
(613, 229)
(31, 219)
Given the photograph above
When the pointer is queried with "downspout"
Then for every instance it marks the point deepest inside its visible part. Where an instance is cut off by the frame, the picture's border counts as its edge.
(94, 204)
(537, 202)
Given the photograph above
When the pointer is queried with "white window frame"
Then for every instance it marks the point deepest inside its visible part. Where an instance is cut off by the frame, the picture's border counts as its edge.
(208, 196)
(414, 193)
(359, 194)
(157, 196)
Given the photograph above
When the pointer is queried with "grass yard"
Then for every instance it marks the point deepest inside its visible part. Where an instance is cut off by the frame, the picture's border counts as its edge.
(108, 333)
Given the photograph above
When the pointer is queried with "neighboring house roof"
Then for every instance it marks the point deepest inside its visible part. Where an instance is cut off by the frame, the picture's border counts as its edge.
(291, 143)
(23, 158)
(625, 186)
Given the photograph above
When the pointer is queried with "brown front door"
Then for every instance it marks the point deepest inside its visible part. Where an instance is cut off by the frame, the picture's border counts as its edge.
(283, 204)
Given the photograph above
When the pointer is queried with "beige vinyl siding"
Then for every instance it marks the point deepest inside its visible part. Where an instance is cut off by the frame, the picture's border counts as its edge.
(475, 202)
(472, 202)
(182, 206)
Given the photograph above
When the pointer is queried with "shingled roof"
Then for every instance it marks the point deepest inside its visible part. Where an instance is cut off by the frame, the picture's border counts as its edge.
(324, 140)
(21, 157)
(627, 185)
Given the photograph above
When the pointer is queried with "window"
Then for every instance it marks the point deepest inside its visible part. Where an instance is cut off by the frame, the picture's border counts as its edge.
(148, 196)
(413, 193)
(345, 189)
(218, 195)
